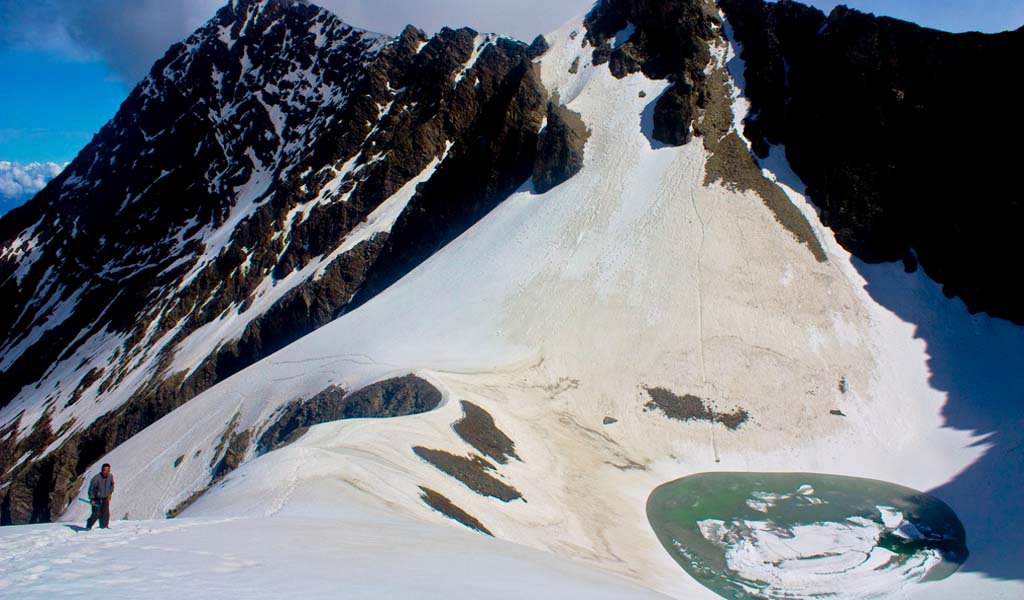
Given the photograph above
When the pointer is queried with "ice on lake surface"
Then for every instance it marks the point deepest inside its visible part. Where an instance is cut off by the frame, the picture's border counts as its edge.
(802, 535)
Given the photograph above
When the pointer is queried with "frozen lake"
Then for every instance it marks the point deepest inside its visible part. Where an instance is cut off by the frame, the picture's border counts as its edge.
(802, 535)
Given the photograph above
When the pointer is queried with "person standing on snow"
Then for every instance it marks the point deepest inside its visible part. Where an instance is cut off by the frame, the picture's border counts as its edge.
(101, 488)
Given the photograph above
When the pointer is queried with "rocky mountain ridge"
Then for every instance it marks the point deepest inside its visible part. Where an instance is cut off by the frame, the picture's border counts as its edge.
(279, 168)
(243, 193)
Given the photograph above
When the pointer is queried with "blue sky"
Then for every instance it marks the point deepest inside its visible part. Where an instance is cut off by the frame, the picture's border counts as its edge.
(50, 106)
(65, 69)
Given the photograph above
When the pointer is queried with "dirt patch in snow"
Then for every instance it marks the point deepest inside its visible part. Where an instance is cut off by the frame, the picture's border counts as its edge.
(443, 505)
(478, 429)
(471, 471)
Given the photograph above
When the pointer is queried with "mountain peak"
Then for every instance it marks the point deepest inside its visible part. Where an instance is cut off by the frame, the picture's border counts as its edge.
(245, 5)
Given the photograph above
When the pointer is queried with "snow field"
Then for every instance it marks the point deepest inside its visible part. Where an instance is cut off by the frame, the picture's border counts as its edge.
(552, 313)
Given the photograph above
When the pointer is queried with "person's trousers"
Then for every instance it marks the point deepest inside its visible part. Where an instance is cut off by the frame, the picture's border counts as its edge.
(100, 511)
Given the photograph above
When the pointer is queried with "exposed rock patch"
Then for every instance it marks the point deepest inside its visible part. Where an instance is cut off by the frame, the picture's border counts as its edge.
(234, 454)
(478, 429)
(187, 502)
(443, 505)
(472, 471)
(692, 408)
(669, 40)
(538, 47)
(225, 438)
(90, 378)
(390, 398)
(673, 115)
(560, 153)
(25, 499)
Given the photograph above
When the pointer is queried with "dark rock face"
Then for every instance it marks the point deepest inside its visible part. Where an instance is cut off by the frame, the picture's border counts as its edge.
(903, 158)
(231, 451)
(560, 154)
(497, 122)
(673, 115)
(391, 398)
(669, 41)
(538, 47)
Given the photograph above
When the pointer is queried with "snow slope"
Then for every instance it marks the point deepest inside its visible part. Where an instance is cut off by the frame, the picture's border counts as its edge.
(554, 312)
(360, 557)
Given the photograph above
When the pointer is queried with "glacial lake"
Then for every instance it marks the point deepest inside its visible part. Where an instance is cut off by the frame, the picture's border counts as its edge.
(804, 535)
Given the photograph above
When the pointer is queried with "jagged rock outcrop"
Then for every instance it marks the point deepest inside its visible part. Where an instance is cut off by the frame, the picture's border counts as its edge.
(903, 155)
(562, 143)
(664, 40)
(498, 117)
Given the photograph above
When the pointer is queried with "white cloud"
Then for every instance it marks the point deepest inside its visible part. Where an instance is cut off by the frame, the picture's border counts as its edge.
(19, 182)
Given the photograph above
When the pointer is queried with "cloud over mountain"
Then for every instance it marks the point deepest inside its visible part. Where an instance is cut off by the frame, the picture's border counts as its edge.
(18, 182)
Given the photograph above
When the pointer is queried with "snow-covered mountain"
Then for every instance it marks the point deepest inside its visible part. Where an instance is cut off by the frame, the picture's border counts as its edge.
(263, 172)
(568, 272)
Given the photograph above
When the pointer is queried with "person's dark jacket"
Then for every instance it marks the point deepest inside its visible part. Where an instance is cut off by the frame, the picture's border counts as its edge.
(101, 487)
